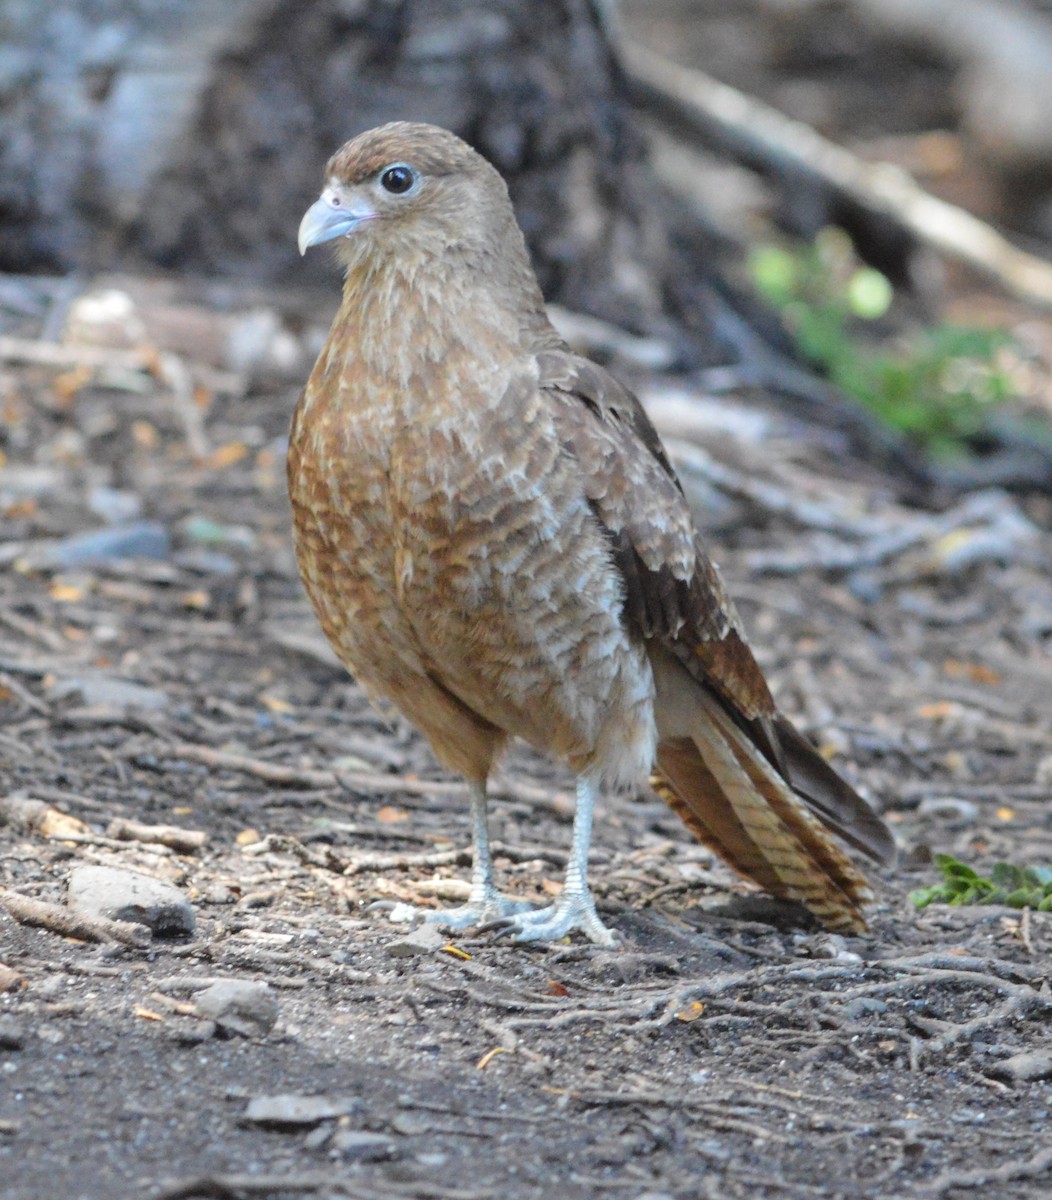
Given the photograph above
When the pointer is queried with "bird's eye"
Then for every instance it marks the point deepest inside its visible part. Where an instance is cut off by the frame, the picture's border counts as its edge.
(397, 179)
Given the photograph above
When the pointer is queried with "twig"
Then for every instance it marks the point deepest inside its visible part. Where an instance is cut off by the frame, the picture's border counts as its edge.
(366, 781)
(1030, 1168)
(766, 139)
(23, 694)
(396, 862)
(183, 841)
(235, 1187)
(64, 921)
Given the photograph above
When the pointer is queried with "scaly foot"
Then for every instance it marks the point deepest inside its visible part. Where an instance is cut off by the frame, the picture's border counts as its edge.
(492, 907)
(571, 911)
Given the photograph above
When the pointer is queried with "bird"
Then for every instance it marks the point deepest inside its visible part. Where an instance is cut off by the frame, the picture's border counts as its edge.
(496, 543)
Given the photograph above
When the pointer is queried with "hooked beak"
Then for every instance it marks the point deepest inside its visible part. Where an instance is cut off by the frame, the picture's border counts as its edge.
(330, 216)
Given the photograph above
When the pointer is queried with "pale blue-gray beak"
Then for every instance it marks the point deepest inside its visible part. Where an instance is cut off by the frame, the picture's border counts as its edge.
(327, 218)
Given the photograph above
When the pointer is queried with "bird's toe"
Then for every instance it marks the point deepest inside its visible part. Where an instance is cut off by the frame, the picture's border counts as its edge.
(558, 920)
(492, 909)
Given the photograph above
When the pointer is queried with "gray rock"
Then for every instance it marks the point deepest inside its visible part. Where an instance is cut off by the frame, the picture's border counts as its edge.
(949, 808)
(425, 939)
(140, 539)
(296, 1112)
(362, 1146)
(862, 1006)
(122, 895)
(114, 506)
(1025, 1067)
(11, 1035)
(106, 692)
(239, 1006)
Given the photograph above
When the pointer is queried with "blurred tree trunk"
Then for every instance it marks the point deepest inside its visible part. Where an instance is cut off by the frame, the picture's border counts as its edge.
(192, 136)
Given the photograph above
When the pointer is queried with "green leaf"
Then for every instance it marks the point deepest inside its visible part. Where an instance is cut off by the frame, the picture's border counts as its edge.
(1007, 884)
(869, 294)
(1007, 876)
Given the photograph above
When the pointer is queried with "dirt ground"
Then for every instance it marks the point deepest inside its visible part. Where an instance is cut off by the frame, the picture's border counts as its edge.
(728, 1049)
(172, 675)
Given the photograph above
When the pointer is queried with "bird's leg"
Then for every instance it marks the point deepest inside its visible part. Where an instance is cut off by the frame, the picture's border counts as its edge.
(485, 903)
(575, 908)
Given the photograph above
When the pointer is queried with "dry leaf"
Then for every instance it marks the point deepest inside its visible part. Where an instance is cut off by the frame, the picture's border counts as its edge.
(248, 837)
(389, 815)
(276, 704)
(1004, 813)
(975, 672)
(66, 385)
(691, 1012)
(938, 710)
(555, 988)
(456, 951)
(489, 1056)
(147, 1014)
(226, 456)
(10, 978)
(56, 824)
(145, 435)
(21, 508)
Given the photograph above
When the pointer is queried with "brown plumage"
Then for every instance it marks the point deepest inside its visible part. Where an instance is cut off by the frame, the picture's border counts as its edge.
(495, 541)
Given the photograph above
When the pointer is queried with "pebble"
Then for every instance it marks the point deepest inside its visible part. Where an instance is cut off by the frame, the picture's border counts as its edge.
(114, 506)
(11, 1035)
(295, 1112)
(139, 539)
(9, 978)
(122, 895)
(1025, 1067)
(425, 939)
(106, 692)
(862, 1006)
(949, 808)
(239, 1006)
(362, 1146)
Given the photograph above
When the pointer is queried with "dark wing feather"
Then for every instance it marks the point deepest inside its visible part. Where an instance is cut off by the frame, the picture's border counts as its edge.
(673, 590)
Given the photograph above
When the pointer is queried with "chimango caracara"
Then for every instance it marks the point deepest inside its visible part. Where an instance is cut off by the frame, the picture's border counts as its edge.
(494, 540)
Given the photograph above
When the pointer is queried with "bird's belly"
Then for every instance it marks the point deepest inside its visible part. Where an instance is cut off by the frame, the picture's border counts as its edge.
(485, 577)
(512, 594)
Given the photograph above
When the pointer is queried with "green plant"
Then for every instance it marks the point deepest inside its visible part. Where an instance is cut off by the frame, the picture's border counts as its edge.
(1015, 887)
(937, 387)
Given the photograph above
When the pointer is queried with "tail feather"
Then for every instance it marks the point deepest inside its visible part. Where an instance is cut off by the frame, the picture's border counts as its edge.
(837, 804)
(728, 793)
(681, 780)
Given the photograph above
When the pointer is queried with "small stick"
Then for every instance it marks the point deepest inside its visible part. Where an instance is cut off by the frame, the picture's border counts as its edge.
(67, 923)
(183, 841)
(367, 781)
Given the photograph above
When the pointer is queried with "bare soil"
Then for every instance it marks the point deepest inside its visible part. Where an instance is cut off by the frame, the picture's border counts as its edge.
(729, 1049)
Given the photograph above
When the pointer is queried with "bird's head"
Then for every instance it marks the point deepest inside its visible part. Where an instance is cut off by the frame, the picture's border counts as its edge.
(409, 191)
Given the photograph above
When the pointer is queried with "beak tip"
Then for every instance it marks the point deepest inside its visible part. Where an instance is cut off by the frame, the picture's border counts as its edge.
(323, 222)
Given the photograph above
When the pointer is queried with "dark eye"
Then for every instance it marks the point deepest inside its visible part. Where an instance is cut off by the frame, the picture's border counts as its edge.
(397, 179)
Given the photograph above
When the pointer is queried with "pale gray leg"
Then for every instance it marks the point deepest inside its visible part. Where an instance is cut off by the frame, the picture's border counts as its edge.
(485, 903)
(575, 908)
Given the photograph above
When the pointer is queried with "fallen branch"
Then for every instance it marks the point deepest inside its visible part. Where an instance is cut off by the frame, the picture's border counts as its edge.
(766, 140)
(67, 923)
